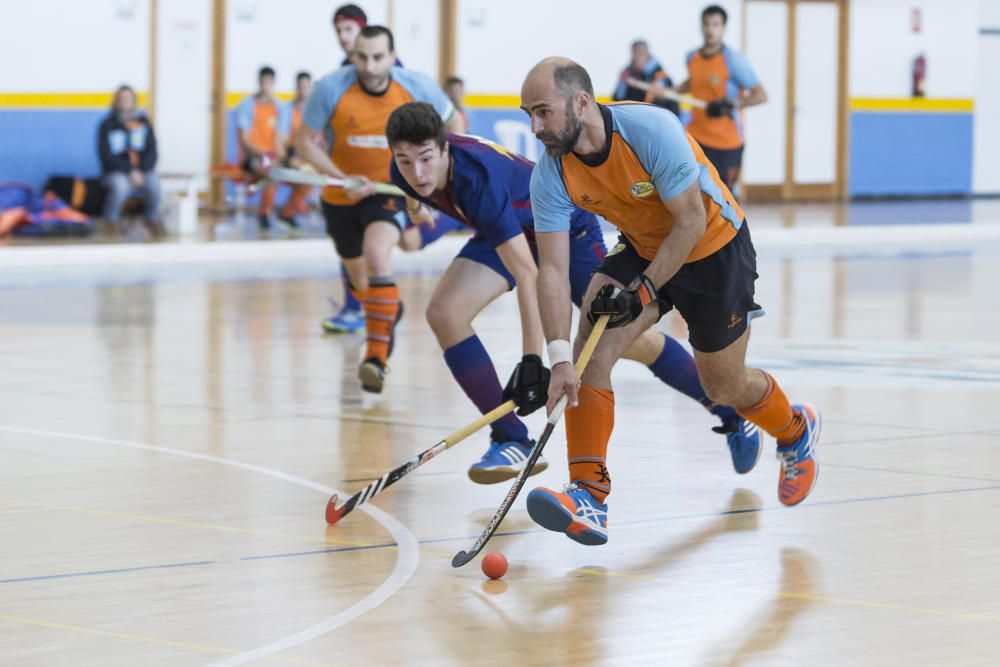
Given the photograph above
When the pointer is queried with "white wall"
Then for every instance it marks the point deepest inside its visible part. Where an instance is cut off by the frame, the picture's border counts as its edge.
(986, 137)
(65, 46)
(288, 35)
(416, 26)
(767, 50)
(883, 46)
(498, 42)
(183, 85)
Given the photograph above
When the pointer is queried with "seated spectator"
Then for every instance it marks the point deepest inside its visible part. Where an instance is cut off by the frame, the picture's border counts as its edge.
(126, 144)
(644, 68)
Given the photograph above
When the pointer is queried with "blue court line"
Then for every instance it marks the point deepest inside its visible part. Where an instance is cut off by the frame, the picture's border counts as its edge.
(69, 575)
(681, 517)
(916, 473)
(464, 538)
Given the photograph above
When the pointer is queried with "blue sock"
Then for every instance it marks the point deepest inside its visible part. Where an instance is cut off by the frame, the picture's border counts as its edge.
(675, 367)
(442, 226)
(473, 369)
(350, 303)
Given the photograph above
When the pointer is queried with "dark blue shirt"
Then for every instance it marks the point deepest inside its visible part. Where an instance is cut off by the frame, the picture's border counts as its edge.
(489, 190)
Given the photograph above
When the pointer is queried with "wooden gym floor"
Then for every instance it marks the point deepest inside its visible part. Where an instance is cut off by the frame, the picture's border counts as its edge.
(167, 446)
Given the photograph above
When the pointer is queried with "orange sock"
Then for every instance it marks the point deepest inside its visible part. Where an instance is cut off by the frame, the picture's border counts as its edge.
(774, 414)
(381, 308)
(588, 429)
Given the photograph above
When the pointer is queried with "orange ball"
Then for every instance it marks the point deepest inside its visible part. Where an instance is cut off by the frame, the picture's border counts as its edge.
(495, 565)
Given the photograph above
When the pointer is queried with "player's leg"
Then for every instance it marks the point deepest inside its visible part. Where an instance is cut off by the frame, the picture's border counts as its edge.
(266, 206)
(383, 308)
(470, 283)
(351, 316)
(664, 356)
(727, 163)
(343, 226)
(718, 322)
(669, 361)
(295, 205)
(580, 510)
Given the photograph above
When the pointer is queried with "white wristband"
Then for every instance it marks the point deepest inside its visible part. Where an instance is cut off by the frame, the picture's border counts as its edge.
(560, 351)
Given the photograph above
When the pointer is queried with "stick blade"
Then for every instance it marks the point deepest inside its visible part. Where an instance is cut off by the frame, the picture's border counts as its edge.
(461, 558)
(333, 513)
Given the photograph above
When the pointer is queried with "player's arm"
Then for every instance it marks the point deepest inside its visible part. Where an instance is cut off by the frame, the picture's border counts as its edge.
(684, 88)
(419, 213)
(757, 95)
(454, 124)
(690, 222)
(555, 309)
(312, 153)
(552, 211)
(516, 257)
(744, 77)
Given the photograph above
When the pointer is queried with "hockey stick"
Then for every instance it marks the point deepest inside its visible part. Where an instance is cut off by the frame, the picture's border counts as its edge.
(463, 557)
(668, 94)
(335, 514)
(285, 175)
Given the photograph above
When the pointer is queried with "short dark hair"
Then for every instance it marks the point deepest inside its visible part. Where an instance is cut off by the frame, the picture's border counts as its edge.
(415, 123)
(266, 70)
(302, 75)
(452, 80)
(572, 78)
(351, 13)
(640, 42)
(714, 9)
(370, 31)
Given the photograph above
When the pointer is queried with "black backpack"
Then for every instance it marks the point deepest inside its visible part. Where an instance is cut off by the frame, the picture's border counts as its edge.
(86, 195)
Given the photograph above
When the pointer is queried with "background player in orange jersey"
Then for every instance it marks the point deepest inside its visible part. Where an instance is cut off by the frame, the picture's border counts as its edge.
(263, 124)
(685, 243)
(722, 76)
(348, 22)
(351, 107)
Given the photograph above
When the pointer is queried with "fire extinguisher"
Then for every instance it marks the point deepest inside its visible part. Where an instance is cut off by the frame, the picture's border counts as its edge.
(919, 75)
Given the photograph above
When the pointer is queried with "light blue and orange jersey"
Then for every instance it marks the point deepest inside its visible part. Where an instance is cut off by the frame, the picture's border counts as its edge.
(727, 73)
(353, 120)
(264, 120)
(648, 159)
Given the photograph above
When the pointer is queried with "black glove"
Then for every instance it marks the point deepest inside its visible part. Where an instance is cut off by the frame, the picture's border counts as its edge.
(528, 385)
(624, 306)
(720, 107)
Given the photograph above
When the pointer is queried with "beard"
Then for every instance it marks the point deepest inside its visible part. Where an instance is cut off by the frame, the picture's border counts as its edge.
(557, 145)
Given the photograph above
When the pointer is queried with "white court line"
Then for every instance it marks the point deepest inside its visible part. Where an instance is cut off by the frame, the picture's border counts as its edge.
(407, 558)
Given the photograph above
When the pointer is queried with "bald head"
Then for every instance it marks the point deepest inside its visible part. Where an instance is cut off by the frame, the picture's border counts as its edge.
(562, 74)
(557, 94)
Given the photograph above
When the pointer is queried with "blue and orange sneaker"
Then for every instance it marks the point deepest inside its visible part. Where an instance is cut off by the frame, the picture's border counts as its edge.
(743, 438)
(574, 512)
(503, 460)
(798, 461)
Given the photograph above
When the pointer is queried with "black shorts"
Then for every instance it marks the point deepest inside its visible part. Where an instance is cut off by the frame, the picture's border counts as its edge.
(346, 224)
(727, 163)
(714, 295)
